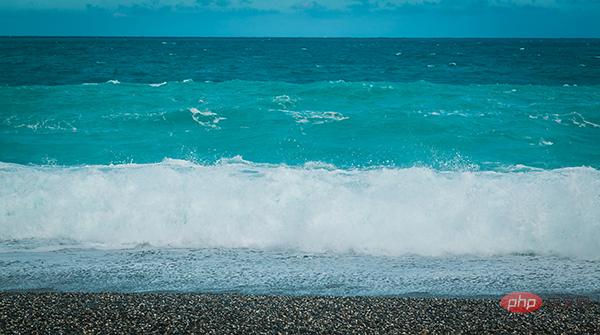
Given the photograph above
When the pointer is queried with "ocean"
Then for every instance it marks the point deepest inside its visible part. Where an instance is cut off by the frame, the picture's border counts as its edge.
(455, 167)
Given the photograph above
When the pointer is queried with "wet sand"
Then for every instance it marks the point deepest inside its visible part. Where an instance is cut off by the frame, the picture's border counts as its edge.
(171, 313)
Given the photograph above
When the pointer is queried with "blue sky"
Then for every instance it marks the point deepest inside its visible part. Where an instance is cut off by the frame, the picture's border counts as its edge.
(314, 18)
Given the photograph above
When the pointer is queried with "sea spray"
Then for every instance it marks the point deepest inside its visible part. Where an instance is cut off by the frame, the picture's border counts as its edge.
(316, 208)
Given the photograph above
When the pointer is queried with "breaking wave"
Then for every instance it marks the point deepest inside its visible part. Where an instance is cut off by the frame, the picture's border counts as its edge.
(315, 208)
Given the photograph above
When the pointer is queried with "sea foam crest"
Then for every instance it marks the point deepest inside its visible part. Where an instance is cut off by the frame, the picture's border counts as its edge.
(206, 118)
(236, 204)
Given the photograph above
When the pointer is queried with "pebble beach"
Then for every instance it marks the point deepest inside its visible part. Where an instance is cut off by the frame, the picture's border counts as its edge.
(178, 313)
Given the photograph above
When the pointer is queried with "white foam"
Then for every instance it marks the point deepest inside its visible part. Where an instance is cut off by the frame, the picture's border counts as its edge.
(239, 204)
(194, 110)
(285, 101)
(159, 84)
(580, 121)
(315, 117)
(206, 118)
(40, 125)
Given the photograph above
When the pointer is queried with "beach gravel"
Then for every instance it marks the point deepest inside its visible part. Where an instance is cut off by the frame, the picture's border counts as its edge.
(181, 313)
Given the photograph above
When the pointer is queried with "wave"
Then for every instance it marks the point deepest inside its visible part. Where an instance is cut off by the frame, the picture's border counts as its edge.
(506, 88)
(345, 123)
(314, 208)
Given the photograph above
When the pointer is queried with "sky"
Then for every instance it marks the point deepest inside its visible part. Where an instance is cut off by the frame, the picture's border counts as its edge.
(302, 18)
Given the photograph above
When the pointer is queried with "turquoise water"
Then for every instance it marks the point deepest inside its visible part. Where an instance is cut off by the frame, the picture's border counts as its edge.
(408, 159)
(347, 124)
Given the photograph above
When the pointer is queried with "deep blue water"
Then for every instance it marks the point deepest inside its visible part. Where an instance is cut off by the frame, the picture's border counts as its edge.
(475, 153)
(52, 61)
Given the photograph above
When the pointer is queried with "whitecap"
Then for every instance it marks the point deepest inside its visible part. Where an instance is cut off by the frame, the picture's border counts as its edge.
(317, 117)
(283, 98)
(206, 118)
(285, 101)
(194, 110)
(159, 84)
(580, 121)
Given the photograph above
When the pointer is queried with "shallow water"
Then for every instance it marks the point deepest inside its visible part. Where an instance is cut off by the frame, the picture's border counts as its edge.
(288, 272)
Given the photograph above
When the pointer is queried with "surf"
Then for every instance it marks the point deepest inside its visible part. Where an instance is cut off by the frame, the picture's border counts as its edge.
(316, 207)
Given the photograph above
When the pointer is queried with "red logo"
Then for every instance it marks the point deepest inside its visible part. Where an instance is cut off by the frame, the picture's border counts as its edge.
(521, 302)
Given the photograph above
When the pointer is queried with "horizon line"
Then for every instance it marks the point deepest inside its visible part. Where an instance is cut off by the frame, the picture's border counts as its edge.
(298, 37)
